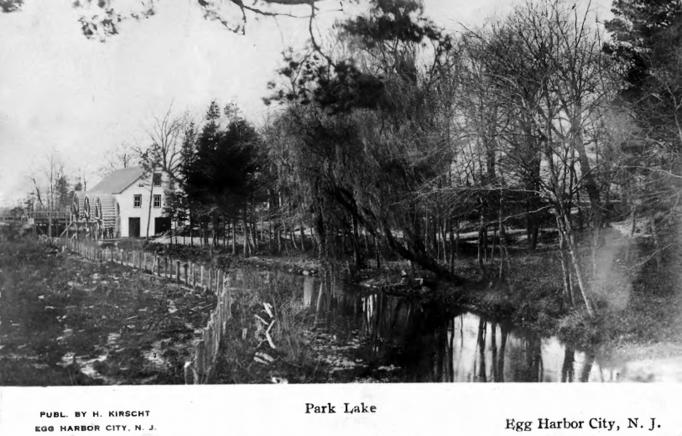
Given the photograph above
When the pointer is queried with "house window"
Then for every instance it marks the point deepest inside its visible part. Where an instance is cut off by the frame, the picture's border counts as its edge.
(157, 200)
(137, 200)
(156, 179)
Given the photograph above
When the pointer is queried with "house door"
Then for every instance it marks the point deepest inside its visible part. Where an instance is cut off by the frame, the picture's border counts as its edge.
(133, 227)
(161, 225)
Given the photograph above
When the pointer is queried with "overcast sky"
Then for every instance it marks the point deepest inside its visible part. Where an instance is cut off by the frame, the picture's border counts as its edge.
(79, 98)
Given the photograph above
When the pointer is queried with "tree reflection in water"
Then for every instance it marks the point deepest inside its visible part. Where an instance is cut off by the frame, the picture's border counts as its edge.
(427, 340)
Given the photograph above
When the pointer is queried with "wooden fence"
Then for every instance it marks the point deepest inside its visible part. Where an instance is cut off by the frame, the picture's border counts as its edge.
(206, 348)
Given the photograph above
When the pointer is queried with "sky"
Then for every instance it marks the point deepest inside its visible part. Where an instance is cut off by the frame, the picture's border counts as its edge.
(65, 95)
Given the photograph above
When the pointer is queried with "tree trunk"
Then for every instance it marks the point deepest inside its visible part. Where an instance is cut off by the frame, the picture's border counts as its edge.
(377, 252)
(657, 244)
(572, 249)
(565, 268)
(149, 209)
(247, 248)
(357, 257)
(302, 232)
(501, 242)
(482, 243)
(415, 252)
(234, 236)
(453, 248)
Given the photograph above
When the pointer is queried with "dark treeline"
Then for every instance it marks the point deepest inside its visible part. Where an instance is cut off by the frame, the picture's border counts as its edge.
(220, 181)
(398, 138)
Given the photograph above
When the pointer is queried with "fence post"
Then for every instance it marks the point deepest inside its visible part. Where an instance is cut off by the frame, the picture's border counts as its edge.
(187, 369)
(200, 360)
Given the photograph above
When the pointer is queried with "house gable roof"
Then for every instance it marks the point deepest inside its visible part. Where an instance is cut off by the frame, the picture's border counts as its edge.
(117, 181)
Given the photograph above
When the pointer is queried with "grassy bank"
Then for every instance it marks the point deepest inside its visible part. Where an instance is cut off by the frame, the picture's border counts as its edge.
(638, 302)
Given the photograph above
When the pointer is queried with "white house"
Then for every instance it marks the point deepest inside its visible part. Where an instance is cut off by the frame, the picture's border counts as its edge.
(126, 203)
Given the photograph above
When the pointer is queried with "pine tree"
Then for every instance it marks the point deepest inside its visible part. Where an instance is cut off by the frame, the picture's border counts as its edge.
(646, 34)
(647, 39)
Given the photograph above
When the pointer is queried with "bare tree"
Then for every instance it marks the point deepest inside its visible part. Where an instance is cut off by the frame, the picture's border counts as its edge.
(164, 154)
(165, 151)
(123, 155)
(52, 174)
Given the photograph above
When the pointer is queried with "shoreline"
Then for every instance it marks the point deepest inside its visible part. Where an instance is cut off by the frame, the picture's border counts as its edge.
(525, 299)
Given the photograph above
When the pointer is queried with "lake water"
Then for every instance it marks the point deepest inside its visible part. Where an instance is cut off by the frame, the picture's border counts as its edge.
(368, 336)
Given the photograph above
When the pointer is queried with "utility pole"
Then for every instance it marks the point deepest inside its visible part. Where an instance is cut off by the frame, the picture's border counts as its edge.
(151, 199)
(50, 199)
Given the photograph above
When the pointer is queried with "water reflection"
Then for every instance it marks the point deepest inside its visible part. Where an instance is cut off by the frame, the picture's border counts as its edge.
(426, 340)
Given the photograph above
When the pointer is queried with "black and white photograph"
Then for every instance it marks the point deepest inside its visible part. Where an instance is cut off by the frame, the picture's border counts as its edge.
(280, 192)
